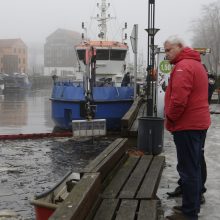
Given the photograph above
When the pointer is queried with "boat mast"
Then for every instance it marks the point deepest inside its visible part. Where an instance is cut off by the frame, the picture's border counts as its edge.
(102, 19)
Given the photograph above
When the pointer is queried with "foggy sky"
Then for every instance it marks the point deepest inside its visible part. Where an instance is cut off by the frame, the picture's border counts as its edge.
(34, 20)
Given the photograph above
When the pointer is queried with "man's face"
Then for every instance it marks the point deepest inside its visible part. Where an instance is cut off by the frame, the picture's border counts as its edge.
(172, 50)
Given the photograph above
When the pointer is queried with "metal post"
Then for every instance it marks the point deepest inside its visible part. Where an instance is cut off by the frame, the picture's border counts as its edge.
(134, 44)
(135, 62)
(151, 30)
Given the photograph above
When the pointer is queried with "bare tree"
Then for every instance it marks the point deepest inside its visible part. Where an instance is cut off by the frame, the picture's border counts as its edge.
(206, 31)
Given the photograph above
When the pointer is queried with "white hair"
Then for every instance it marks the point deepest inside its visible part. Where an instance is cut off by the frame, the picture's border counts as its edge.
(175, 39)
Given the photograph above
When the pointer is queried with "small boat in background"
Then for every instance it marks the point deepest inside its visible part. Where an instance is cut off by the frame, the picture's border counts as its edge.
(46, 203)
(16, 81)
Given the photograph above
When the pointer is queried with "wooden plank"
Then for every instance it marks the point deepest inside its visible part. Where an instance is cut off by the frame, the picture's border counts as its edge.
(141, 113)
(127, 210)
(94, 163)
(133, 130)
(107, 209)
(147, 210)
(114, 187)
(151, 181)
(113, 171)
(136, 178)
(80, 200)
(108, 163)
(130, 115)
(125, 119)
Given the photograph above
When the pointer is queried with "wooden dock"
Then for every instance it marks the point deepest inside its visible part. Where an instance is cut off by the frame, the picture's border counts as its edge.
(129, 123)
(120, 183)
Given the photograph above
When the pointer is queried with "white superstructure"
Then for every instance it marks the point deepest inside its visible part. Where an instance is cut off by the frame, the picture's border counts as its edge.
(110, 55)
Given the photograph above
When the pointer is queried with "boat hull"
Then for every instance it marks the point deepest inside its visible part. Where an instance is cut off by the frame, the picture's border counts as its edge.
(111, 103)
(47, 202)
(64, 112)
(43, 213)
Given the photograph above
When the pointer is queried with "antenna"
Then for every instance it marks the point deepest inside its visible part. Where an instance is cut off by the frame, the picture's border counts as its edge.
(102, 19)
(124, 36)
(85, 30)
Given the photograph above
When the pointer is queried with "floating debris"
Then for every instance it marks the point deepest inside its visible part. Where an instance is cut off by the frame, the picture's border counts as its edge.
(9, 215)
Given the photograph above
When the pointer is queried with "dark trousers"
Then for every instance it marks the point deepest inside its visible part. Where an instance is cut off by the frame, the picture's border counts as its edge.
(189, 145)
(203, 172)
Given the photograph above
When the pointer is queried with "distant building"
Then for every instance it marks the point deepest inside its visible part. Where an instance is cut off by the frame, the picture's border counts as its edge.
(59, 53)
(13, 56)
(35, 58)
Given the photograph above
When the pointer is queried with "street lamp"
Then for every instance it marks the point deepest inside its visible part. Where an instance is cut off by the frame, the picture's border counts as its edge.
(151, 46)
(151, 127)
(151, 30)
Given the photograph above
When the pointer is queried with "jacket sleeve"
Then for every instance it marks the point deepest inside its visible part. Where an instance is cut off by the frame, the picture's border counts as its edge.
(181, 87)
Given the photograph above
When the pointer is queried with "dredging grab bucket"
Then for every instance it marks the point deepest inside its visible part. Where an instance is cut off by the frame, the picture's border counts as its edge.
(89, 128)
(150, 135)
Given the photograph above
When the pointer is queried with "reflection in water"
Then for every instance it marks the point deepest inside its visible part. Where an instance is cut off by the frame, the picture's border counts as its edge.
(13, 110)
(25, 112)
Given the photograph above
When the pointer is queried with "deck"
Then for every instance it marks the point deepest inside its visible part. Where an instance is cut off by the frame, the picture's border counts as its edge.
(118, 184)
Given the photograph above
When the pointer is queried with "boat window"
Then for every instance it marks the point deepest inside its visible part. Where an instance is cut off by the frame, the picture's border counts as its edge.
(102, 55)
(81, 54)
(117, 54)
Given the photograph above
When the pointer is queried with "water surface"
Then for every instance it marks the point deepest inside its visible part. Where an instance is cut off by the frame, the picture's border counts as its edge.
(29, 167)
(26, 112)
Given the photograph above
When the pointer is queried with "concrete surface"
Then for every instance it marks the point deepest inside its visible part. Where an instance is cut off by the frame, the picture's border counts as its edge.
(211, 209)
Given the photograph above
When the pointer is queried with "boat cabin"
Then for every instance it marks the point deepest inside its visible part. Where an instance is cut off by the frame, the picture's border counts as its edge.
(110, 58)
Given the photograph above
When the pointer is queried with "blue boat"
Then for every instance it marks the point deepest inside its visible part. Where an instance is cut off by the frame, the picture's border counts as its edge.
(100, 96)
(69, 103)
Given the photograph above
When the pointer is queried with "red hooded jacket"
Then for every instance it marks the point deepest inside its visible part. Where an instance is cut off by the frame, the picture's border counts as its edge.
(186, 98)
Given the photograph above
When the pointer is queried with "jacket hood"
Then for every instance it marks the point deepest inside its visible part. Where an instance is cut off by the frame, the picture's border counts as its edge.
(187, 53)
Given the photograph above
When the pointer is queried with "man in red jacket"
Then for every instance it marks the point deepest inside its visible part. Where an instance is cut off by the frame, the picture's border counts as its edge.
(188, 118)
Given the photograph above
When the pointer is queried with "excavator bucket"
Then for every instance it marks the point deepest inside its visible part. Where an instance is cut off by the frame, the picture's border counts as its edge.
(89, 128)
